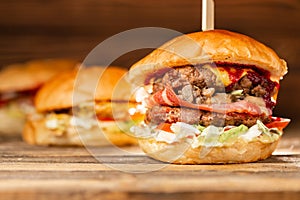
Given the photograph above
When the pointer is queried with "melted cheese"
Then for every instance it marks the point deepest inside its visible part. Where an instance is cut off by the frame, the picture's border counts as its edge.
(229, 75)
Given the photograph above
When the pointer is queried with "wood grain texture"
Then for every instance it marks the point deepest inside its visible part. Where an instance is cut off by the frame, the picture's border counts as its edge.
(58, 173)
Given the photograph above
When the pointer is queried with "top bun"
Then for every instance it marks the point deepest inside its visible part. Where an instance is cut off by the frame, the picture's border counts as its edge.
(85, 84)
(207, 47)
(32, 74)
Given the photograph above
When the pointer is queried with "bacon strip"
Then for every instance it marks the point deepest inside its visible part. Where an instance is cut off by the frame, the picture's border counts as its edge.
(167, 97)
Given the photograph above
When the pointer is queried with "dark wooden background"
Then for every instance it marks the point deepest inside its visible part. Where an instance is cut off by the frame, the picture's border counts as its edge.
(71, 28)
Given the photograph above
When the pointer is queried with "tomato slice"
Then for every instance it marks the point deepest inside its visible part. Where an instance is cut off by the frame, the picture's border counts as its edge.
(165, 127)
(100, 118)
(279, 123)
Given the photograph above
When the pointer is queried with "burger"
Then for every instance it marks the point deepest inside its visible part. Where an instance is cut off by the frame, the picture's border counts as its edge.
(209, 98)
(82, 108)
(18, 85)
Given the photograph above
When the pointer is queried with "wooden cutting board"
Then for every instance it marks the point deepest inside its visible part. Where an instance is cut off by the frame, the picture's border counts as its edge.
(29, 172)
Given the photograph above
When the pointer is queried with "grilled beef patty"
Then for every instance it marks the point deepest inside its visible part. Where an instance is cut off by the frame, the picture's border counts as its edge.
(198, 85)
(165, 114)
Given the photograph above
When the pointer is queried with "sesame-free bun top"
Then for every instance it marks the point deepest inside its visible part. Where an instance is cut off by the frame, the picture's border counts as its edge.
(86, 84)
(206, 47)
(32, 74)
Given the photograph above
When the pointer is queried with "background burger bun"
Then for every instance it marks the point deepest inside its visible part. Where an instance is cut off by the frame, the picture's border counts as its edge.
(21, 78)
(32, 74)
(86, 84)
(207, 47)
(182, 153)
(59, 94)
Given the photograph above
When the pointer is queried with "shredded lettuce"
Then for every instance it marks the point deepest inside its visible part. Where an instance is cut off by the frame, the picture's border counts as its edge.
(86, 123)
(163, 136)
(232, 133)
(211, 131)
(263, 128)
(18, 108)
(183, 127)
(211, 141)
(268, 135)
(143, 131)
(15, 111)
(199, 127)
(210, 136)
(237, 92)
(252, 132)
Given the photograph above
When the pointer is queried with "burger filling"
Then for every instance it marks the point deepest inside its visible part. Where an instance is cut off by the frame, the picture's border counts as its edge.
(226, 99)
(87, 116)
(212, 136)
(17, 104)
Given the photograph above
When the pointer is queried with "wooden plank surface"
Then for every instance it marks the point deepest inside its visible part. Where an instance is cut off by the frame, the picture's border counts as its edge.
(73, 173)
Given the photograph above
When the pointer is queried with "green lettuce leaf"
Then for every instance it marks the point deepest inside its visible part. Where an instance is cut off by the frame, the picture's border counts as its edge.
(233, 133)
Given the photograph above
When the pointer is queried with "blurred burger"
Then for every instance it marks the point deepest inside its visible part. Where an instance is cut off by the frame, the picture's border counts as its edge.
(82, 108)
(209, 98)
(18, 85)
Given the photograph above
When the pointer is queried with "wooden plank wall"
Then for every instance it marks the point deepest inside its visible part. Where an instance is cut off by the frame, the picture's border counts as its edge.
(71, 28)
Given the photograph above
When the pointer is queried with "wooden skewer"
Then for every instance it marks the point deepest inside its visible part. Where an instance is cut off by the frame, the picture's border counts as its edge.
(208, 7)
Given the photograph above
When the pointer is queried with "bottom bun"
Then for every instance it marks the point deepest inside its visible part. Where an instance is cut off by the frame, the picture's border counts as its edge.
(182, 153)
(36, 133)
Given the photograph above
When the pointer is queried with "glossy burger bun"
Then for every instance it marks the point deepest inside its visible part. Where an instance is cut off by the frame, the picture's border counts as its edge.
(207, 47)
(32, 74)
(70, 89)
(82, 85)
(182, 153)
(26, 77)
(200, 48)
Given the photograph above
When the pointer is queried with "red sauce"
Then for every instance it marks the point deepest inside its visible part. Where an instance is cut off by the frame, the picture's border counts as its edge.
(234, 73)
(269, 85)
(257, 76)
(8, 96)
(242, 66)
